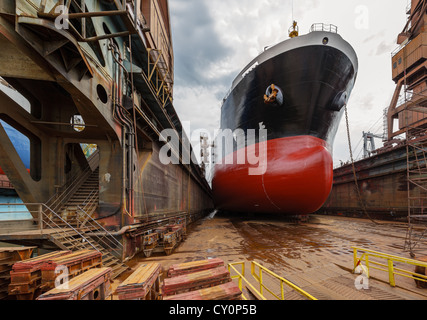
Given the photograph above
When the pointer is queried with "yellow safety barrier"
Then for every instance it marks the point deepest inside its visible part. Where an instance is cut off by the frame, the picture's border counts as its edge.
(259, 278)
(388, 266)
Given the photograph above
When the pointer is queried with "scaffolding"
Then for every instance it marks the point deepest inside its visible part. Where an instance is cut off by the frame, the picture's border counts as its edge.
(417, 189)
(409, 106)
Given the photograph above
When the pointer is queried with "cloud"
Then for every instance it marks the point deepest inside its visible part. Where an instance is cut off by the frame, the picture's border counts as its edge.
(383, 48)
(200, 49)
(375, 36)
(364, 100)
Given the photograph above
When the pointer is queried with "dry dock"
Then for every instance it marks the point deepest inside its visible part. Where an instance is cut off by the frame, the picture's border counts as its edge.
(316, 256)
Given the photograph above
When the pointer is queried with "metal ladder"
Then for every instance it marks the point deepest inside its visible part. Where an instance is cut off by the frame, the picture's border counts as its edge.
(417, 190)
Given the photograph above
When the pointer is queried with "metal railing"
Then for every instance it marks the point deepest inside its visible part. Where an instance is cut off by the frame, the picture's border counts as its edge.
(64, 232)
(388, 264)
(159, 76)
(259, 277)
(324, 27)
(101, 235)
(48, 219)
(89, 205)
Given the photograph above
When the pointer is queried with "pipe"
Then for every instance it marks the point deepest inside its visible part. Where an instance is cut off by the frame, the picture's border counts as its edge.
(127, 132)
(122, 231)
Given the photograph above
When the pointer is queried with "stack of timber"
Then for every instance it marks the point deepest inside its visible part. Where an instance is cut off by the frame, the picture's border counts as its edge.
(76, 263)
(26, 276)
(227, 291)
(143, 284)
(195, 266)
(200, 280)
(9, 256)
(94, 284)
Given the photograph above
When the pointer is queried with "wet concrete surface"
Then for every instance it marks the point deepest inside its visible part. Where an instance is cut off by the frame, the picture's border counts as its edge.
(313, 254)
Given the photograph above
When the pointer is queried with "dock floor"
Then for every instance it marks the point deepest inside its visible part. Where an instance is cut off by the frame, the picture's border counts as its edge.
(315, 255)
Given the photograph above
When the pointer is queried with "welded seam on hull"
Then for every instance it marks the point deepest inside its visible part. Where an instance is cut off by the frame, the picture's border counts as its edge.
(266, 194)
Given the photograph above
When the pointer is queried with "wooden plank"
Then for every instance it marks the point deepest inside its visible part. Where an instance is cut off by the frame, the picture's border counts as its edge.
(93, 284)
(227, 291)
(76, 263)
(195, 266)
(12, 249)
(71, 258)
(26, 275)
(37, 262)
(11, 255)
(139, 283)
(196, 281)
(8, 257)
(142, 274)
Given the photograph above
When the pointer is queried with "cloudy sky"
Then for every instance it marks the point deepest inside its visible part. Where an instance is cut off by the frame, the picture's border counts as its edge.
(214, 40)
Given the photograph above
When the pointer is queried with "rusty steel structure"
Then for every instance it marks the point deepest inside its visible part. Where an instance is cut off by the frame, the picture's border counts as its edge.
(409, 73)
(99, 73)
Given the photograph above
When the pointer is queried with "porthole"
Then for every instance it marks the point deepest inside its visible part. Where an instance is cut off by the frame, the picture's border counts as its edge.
(102, 93)
(325, 40)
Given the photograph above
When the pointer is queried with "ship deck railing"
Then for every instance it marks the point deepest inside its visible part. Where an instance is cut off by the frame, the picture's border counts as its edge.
(324, 27)
(273, 284)
(393, 265)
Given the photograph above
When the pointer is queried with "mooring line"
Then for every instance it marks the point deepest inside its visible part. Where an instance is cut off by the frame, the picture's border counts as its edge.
(362, 203)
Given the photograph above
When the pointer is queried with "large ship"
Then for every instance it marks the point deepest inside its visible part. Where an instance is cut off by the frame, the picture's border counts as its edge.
(293, 95)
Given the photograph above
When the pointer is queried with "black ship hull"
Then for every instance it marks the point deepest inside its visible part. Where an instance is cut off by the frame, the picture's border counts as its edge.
(314, 76)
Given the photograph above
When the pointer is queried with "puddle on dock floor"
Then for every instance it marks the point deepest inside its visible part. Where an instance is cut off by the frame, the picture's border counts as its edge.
(280, 243)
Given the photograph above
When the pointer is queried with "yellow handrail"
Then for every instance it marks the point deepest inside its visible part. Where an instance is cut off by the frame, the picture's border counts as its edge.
(259, 278)
(388, 266)
(241, 277)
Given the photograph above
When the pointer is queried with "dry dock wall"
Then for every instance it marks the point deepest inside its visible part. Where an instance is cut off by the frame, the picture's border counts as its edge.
(382, 184)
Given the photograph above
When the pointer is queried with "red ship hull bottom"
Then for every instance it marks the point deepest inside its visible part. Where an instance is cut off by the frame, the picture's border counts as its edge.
(297, 181)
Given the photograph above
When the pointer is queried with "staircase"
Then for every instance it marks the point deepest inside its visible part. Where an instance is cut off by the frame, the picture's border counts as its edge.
(87, 233)
(86, 198)
(69, 217)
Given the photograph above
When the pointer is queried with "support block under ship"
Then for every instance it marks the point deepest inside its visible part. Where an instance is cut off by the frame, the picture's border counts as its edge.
(296, 91)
